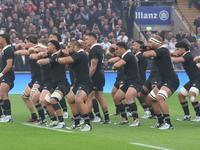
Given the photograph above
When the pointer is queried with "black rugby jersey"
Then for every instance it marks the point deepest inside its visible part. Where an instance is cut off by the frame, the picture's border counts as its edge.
(142, 64)
(80, 68)
(96, 52)
(190, 67)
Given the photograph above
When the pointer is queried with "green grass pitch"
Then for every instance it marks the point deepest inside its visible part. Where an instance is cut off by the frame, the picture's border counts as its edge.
(16, 136)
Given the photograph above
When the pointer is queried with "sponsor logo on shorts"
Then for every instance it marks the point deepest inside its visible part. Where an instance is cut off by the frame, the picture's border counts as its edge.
(194, 85)
(80, 88)
(45, 87)
(165, 84)
(95, 88)
(131, 85)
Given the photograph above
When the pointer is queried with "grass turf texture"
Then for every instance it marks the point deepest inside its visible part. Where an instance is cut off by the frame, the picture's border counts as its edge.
(16, 136)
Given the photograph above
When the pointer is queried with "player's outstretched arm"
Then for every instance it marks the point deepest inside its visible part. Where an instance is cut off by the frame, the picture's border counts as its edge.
(178, 59)
(43, 61)
(118, 64)
(114, 60)
(65, 60)
(63, 53)
(197, 59)
(150, 53)
(21, 52)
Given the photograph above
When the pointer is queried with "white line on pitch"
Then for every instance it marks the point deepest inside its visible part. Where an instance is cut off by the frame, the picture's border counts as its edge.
(151, 146)
(32, 125)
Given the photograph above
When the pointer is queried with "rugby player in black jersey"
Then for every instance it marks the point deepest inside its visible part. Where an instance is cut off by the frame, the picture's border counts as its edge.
(192, 87)
(82, 83)
(60, 82)
(142, 64)
(57, 37)
(120, 76)
(7, 75)
(131, 86)
(96, 71)
(47, 85)
(36, 79)
(169, 82)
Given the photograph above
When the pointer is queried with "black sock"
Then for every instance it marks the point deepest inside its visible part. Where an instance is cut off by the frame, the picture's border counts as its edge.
(91, 115)
(106, 115)
(96, 108)
(53, 118)
(195, 106)
(86, 118)
(151, 110)
(133, 108)
(185, 108)
(160, 118)
(77, 119)
(60, 118)
(145, 107)
(34, 116)
(121, 110)
(167, 118)
(46, 110)
(40, 111)
(1, 104)
(7, 106)
(63, 105)
(127, 107)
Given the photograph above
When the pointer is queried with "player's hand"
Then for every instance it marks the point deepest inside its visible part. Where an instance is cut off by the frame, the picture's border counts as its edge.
(197, 59)
(175, 54)
(42, 54)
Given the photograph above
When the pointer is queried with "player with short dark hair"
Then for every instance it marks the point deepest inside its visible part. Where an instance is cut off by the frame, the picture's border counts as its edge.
(36, 79)
(60, 82)
(57, 37)
(142, 65)
(192, 87)
(7, 75)
(131, 86)
(96, 71)
(169, 82)
(82, 83)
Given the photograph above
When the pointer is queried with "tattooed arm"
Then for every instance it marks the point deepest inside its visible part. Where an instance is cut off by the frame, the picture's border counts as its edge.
(93, 66)
(43, 61)
(65, 60)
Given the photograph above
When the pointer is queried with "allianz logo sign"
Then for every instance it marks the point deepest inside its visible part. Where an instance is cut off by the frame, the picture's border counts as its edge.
(163, 15)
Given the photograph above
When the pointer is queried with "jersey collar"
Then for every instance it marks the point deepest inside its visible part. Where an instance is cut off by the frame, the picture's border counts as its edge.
(186, 53)
(138, 53)
(94, 45)
(128, 51)
(54, 53)
(6, 47)
(81, 50)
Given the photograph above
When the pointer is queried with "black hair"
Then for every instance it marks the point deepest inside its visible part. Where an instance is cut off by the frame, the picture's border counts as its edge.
(6, 37)
(140, 42)
(92, 34)
(122, 45)
(56, 44)
(57, 35)
(75, 43)
(182, 44)
(32, 38)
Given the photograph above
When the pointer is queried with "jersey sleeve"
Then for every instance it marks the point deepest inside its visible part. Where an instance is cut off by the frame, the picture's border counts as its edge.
(158, 52)
(126, 58)
(187, 57)
(139, 57)
(77, 57)
(53, 58)
(94, 54)
(9, 53)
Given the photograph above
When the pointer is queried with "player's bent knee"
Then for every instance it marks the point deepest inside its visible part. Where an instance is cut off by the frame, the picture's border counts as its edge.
(152, 95)
(184, 92)
(192, 99)
(163, 94)
(56, 96)
(195, 90)
(143, 92)
(78, 101)
(24, 95)
(47, 98)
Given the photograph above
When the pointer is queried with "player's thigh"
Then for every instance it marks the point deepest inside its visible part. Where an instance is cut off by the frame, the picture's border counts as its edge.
(71, 96)
(45, 97)
(119, 96)
(80, 96)
(130, 94)
(4, 89)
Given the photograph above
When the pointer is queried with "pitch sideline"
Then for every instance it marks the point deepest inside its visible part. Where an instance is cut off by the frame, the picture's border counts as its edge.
(151, 146)
(32, 125)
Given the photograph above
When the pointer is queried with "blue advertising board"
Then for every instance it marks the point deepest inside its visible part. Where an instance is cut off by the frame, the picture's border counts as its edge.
(153, 15)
